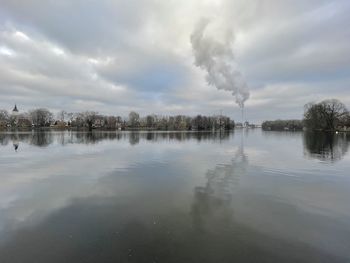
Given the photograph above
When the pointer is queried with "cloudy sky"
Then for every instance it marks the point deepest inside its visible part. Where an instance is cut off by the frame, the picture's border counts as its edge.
(113, 56)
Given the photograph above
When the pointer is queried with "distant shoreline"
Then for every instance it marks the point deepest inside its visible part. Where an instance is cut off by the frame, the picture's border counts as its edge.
(44, 129)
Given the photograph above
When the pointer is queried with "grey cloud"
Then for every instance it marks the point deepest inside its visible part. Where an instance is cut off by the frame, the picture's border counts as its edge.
(158, 75)
(305, 46)
(116, 56)
(82, 26)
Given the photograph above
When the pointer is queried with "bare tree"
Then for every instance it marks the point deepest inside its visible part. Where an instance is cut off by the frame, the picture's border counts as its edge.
(89, 118)
(69, 117)
(134, 119)
(326, 115)
(41, 117)
(150, 121)
(111, 122)
(61, 115)
(4, 118)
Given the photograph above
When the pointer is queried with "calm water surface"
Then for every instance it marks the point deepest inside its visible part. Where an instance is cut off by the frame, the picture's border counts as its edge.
(244, 196)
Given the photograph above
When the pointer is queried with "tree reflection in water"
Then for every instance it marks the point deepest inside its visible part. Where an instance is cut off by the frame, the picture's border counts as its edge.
(46, 138)
(41, 139)
(325, 146)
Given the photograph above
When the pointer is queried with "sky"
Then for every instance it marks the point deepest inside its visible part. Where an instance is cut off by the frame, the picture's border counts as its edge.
(117, 56)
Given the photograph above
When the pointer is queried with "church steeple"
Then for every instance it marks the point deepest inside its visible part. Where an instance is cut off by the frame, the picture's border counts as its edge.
(15, 109)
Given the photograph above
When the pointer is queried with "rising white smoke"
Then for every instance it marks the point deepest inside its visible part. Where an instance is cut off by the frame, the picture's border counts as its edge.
(217, 59)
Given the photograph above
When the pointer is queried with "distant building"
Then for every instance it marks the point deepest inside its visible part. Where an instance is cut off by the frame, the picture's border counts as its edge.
(14, 115)
(99, 122)
(15, 110)
(19, 120)
(239, 125)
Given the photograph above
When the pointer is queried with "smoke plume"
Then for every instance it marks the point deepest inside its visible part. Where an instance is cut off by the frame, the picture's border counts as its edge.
(217, 59)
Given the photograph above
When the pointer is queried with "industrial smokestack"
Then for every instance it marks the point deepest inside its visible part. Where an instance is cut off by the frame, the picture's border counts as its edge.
(217, 59)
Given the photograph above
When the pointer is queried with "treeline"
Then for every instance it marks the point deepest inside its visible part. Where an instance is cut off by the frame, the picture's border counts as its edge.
(41, 118)
(327, 115)
(280, 125)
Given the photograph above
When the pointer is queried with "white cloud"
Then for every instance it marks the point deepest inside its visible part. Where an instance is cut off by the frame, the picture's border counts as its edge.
(5, 51)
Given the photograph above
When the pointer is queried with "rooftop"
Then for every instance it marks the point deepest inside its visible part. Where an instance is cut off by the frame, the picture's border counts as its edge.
(15, 109)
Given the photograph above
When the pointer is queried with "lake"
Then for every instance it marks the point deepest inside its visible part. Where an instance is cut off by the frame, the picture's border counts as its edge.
(241, 196)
